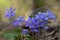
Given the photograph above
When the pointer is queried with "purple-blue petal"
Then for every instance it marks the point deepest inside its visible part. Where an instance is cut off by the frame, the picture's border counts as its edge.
(25, 31)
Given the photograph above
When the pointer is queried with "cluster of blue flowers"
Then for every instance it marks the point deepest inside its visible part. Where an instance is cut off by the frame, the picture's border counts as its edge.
(18, 21)
(39, 21)
(10, 13)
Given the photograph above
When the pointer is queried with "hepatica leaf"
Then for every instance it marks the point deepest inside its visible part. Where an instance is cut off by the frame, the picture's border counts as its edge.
(11, 35)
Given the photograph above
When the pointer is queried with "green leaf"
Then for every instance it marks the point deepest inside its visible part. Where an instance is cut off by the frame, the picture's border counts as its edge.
(10, 35)
(29, 38)
(6, 31)
(16, 30)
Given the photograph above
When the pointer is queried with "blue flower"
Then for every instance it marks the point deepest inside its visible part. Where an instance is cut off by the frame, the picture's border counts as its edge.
(45, 15)
(35, 30)
(25, 31)
(28, 21)
(46, 18)
(50, 15)
(10, 13)
(42, 25)
(40, 16)
(46, 28)
(32, 23)
(18, 21)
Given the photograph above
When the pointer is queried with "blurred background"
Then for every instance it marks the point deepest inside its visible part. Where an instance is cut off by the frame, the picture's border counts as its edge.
(24, 7)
